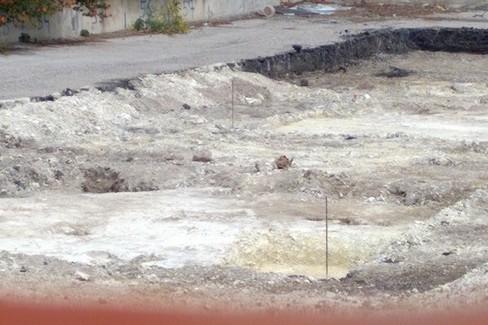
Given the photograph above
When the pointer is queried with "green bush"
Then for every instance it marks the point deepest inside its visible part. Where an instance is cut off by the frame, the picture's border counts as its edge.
(139, 24)
(84, 33)
(24, 38)
(22, 11)
(169, 20)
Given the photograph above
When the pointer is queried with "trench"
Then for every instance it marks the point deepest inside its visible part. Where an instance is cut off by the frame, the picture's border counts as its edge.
(332, 57)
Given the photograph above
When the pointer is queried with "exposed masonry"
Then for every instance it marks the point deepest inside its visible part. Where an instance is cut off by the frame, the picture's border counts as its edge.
(333, 57)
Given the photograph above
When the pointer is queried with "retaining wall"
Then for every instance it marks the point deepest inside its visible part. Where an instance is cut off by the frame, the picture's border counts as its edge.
(69, 23)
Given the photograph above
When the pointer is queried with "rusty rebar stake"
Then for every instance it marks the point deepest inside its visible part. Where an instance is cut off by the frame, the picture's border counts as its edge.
(326, 238)
(232, 101)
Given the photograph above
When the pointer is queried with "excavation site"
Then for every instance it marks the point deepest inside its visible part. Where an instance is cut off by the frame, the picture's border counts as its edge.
(207, 187)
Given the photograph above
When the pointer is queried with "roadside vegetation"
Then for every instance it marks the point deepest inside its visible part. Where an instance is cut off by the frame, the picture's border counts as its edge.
(168, 20)
(12, 11)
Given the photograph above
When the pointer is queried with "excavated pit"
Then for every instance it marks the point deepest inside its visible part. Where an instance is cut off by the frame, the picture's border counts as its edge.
(333, 57)
(398, 144)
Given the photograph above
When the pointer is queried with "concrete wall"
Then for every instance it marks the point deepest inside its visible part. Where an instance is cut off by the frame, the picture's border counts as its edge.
(198, 10)
(69, 23)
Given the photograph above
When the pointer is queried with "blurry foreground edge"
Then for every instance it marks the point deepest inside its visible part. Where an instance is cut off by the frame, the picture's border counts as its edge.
(25, 314)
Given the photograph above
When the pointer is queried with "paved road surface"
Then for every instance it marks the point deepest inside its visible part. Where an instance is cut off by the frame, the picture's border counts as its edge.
(42, 71)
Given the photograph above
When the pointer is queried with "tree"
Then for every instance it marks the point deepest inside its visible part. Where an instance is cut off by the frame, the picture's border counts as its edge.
(25, 10)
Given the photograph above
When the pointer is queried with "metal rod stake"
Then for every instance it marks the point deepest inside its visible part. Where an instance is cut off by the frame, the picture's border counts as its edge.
(232, 91)
(326, 238)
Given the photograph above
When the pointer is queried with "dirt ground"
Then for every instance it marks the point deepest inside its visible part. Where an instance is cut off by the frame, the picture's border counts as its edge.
(167, 192)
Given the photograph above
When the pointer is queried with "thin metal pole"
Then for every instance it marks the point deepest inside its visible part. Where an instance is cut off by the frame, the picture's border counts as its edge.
(232, 91)
(326, 238)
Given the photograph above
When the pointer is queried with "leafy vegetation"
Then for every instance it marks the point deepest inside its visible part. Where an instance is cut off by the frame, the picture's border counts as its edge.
(25, 38)
(169, 20)
(84, 33)
(140, 24)
(25, 10)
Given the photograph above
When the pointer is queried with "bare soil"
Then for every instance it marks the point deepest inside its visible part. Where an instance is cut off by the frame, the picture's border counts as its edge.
(169, 191)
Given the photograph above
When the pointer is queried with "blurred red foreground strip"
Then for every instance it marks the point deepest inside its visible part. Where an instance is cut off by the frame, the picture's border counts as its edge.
(23, 314)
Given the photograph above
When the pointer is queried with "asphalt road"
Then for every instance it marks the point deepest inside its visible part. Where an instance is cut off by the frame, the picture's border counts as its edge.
(39, 71)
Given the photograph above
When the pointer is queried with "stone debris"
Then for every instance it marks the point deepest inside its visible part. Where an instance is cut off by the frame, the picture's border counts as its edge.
(394, 72)
(202, 156)
(102, 180)
(282, 162)
(81, 276)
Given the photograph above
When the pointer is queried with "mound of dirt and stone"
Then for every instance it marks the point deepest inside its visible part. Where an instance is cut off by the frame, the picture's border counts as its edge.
(207, 188)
